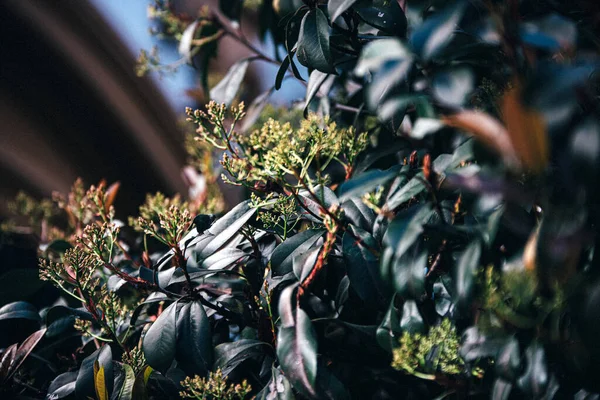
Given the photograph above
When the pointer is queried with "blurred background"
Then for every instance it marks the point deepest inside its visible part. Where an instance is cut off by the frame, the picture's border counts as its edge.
(71, 104)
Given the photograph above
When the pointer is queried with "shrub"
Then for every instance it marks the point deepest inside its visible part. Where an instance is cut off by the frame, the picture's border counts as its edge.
(426, 229)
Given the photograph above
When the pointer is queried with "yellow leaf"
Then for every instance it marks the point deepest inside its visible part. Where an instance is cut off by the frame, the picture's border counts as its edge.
(99, 382)
(147, 373)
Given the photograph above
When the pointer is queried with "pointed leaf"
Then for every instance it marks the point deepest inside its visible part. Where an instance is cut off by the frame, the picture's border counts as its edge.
(284, 254)
(466, 272)
(194, 352)
(26, 348)
(313, 42)
(226, 90)
(304, 262)
(362, 266)
(297, 345)
(429, 39)
(159, 343)
(337, 7)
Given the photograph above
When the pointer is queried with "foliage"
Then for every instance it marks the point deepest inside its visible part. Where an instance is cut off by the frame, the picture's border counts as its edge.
(422, 225)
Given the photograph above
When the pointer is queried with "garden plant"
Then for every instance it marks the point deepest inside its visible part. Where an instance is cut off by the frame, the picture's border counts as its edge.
(422, 225)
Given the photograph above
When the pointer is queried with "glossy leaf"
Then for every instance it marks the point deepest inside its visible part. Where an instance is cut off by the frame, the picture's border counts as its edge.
(304, 263)
(365, 183)
(411, 320)
(159, 342)
(362, 265)
(337, 7)
(536, 376)
(437, 31)
(283, 256)
(194, 350)
(226, 90)
(466, 272)
(297, 345)
(409, 271)
(313, 42)
(85, 385)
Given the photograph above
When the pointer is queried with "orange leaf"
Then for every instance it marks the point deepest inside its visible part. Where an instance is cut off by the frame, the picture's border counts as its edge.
(486, 129)
(527, 130)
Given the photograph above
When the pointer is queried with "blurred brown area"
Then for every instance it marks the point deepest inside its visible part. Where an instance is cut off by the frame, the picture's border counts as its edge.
(71, 105)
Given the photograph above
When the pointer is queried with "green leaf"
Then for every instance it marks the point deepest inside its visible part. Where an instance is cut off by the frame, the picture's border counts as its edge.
(284, 254)
(315, 80)
(194, 351)
(19, 310)
(366, 182)
(282, 71)
(278, 388)
(387, 16)
(85, 384)
(159, 343)
(466, 272)
(409, 190)
(404, 230)
(411, 320)
(304, 263)
(231, 354)
(358, 213)
(313, 42)
(227, 227)
(335, 8)
(62, 386)
(429, 39)
(362, 266)
(389, 330)
(409, 271)
(226, 90)
(128, 383)
(476, 345)
(297, 344)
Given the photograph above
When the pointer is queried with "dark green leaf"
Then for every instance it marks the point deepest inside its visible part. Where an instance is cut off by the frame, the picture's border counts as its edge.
(19, 310)
(303, 263)
(362, 266)
(386, 16)
(297, 344)
(159, 343)
(437, 31)
(466, 272)
(283, 256)
(282, 71)
(409, 271)
(476, 345)
(227, 227)
(226, 90)
(404, 230)
(389, 331)
(411, 320)
(335, 8)
(313, 42)
(366, 182)
(229, 355)
(84, 387)
(411, 189)
(358, 213)
(194, 351)
(62, 386)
